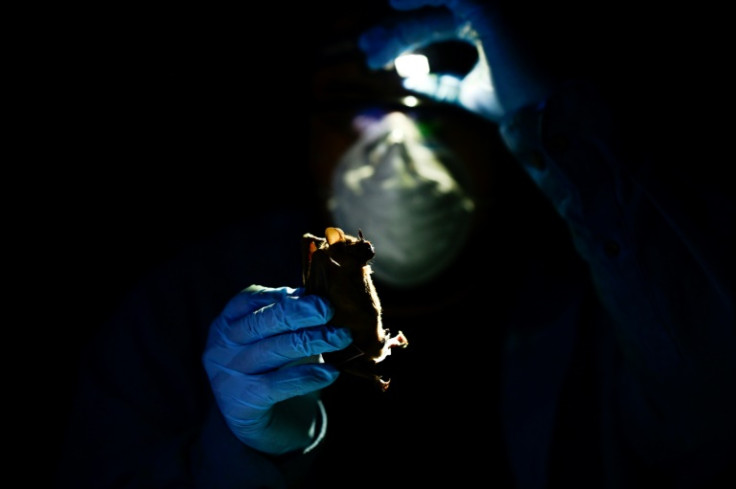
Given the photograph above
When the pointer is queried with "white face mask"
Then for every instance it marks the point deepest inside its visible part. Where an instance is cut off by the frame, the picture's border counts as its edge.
(393, 185)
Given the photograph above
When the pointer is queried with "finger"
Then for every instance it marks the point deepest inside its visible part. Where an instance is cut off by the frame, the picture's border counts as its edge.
(383, 43)
(466, 9)
(261, 392)
(254, 297)
(279, 350)
(289, 313)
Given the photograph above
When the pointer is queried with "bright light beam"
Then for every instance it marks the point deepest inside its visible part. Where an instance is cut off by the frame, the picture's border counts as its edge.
(409, 65)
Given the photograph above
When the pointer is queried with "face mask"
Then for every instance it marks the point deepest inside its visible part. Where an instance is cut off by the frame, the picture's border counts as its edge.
(396, 187)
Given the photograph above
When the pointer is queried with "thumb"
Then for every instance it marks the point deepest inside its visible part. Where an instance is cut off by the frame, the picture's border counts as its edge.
(477, 93)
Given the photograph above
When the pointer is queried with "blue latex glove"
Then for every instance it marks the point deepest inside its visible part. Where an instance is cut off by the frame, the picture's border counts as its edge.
(262, 358)
(502, 80)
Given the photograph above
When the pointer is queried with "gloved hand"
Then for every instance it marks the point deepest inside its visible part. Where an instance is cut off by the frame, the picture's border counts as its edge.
(262, 358)
(502, 81)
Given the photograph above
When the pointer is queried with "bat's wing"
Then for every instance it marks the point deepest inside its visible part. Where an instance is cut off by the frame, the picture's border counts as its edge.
(318, 278)
(310, 244)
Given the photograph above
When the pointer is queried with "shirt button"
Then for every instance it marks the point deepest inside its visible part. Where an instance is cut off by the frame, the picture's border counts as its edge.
(611, 249)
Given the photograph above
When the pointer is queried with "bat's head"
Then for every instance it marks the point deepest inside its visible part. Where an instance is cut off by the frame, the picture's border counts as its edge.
(335, 255)
(347, 250)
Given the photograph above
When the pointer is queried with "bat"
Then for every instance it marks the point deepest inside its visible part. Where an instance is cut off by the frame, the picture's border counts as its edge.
(336, 267)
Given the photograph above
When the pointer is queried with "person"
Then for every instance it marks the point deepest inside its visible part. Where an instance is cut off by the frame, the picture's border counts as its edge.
(587, 342)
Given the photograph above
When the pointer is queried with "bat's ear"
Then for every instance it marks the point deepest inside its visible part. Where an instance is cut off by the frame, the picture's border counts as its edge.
(310, 244)
(334, 235)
